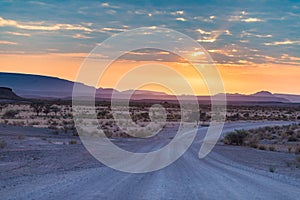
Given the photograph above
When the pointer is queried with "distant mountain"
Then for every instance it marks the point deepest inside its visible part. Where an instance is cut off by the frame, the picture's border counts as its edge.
(8, 94)
(35, 86)
(291, 97)
(263, 94)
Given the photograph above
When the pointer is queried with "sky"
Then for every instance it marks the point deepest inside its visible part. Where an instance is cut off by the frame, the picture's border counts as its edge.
(255, 45)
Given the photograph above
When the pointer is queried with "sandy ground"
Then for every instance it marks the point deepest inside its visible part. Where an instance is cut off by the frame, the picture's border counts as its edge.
(37, 164)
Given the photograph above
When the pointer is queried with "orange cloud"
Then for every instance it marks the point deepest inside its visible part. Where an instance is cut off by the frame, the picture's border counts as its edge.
(8, 42)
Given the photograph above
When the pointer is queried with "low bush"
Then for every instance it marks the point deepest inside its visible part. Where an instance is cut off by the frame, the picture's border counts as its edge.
(292, 139)
(236, 138)
(73, 142)
(297, 150)
(75, 132)
(3, 144)
(271, 148)
(253, 143)
(271, 169)
(55, 132)
(10, 114)
(262, 147)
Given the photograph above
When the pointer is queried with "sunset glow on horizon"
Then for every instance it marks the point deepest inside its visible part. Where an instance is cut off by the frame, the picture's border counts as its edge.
(254, 47)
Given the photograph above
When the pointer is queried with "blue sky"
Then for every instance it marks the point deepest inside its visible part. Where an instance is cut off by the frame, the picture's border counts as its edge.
(255, 30)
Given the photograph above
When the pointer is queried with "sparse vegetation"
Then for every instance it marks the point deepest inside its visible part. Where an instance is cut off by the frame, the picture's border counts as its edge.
(72, 142)
(271, 169)
(10, 114)
(277, 138)
(271, 148)
(37, 107)
(3, 144)
(297, 150)
(236, 138)
(262, 147)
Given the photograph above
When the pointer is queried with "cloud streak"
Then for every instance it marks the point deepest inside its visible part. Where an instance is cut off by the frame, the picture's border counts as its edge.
(18, 34)
(8, 42)
(286, 42)
(41, 26)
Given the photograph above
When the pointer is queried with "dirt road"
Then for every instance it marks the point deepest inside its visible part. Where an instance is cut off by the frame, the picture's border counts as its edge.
(214, 177)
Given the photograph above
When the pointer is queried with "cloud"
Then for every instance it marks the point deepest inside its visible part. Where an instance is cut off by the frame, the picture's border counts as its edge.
(107, 5)
(288, 57)
(80, 36)
(286, 42)
(18, 34)
(245, 33)
(178, 12)
(210, 20)
(8, 42)
(203, 32)
(244, 41)
(150, 55)
(252, 20)
(213, 35)
(111, 12)
(206, 39)
(41, 26)
(40, 3)
(242, 17)
(111, 29)
(181, 19)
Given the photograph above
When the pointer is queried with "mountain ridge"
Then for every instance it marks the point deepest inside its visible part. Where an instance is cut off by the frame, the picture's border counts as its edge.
(38, 86)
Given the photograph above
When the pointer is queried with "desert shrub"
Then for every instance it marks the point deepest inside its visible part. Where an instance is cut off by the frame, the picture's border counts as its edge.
(37, 107)
(52, 127)
(20, 123)
(253, 145)
(292, 139)
(65, 129)
(297, 150)
(75, 132)
(108, 133)
(262, 147)
(72, 142)
(271, 169)
(10, 114)
(20, 137)
(236, 138)
(271, 148)
(55, 132)
(3, 144)
(290, 132)
(34, 123)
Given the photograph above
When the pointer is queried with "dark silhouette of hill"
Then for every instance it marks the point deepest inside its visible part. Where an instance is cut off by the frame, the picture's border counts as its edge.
(36, 86)
(8, 94)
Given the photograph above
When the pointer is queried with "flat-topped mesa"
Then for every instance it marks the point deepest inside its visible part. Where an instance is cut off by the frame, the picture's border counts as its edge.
(5, 89)
(7, 93)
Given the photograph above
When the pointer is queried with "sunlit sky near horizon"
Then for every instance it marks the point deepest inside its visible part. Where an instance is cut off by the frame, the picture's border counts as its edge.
(255, 44)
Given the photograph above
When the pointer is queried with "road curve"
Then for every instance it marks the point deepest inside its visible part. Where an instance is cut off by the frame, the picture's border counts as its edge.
(214, 177)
